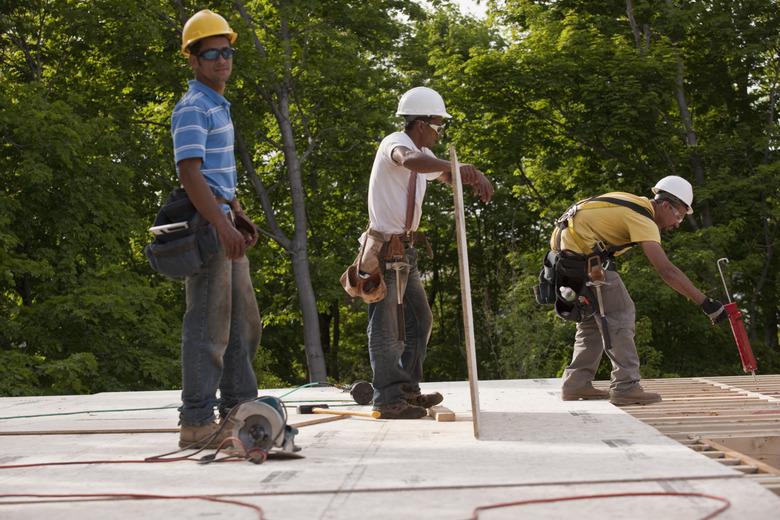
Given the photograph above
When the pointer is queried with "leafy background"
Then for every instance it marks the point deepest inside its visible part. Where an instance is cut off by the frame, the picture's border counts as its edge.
(554, 100)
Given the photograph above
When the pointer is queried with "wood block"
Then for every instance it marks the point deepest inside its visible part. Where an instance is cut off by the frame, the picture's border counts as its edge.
(441, 414)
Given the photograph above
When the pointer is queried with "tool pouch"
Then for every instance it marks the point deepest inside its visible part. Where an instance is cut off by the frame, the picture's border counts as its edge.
(570, 272)
(564, 269)
(184, 253)
(394, 251)
(363, 278)
(544, 290)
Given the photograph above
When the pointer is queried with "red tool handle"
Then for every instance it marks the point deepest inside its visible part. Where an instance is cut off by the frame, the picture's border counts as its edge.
(740, 336)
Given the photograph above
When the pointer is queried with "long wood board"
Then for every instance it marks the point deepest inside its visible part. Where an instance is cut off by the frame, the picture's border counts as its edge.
(465, 288)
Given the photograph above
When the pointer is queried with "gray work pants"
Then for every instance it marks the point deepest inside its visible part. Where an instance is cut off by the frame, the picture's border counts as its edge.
(588, 343)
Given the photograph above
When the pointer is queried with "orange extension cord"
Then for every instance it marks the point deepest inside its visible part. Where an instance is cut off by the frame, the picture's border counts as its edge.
(136, 496)
(727, 503)
(475, 513)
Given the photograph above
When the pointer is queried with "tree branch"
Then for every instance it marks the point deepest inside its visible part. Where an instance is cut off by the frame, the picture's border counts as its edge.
(530, 184)
(634, 26)
(276, 232)
(148, 122)
(251, 23)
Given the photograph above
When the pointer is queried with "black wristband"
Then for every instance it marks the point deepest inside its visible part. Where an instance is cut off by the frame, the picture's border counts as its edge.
(709, 305)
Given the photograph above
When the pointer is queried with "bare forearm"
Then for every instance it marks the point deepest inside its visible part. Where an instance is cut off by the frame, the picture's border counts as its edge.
(670, 273)
(422, 163)
(677, 280)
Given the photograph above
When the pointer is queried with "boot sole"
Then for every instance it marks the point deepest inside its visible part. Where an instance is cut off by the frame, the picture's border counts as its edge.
(433, 402)
(584, 398)
(626, 402)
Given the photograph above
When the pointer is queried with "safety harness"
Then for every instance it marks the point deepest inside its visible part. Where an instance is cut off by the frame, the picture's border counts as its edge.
(578, 272)
(566, 222)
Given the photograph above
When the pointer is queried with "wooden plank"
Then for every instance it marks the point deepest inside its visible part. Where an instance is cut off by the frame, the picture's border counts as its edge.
(319, 420)
(716, 419)
(127, 431)
(465, 288)
(441, 413)
(113, 431)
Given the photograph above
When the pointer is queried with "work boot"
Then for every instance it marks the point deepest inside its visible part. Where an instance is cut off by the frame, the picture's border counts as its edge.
(636, 395)
(587, 393)
(400, 410)
(423, 400)
(208, 436)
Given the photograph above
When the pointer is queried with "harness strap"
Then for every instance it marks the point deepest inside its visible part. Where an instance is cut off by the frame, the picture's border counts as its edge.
(566, 221)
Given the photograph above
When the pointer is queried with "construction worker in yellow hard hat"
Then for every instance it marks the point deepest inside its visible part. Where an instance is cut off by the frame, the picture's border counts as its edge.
(221, 329)
(588, 290)
(203, 24)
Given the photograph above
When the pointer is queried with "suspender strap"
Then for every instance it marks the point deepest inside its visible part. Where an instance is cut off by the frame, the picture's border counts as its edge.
(411, 198)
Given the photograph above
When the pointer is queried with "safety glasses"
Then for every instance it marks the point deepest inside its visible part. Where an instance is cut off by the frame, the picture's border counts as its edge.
(679, 216)
(213, 54)
(436, 128)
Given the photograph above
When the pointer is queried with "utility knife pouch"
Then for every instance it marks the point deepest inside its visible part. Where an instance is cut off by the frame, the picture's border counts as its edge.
(184, 253)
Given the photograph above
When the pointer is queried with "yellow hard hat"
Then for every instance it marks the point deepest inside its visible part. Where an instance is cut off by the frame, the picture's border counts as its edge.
(203, 24)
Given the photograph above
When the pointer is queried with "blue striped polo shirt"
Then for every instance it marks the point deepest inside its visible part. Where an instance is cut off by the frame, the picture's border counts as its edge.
(201, 127)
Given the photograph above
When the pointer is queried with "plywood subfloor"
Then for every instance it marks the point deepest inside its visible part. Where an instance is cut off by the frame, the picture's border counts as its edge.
(533, 446)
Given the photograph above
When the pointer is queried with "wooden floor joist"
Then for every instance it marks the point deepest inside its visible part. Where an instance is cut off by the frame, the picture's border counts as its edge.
(707, 413)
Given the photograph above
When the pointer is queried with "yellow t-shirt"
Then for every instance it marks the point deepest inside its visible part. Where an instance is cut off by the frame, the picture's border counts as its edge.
(609, 223)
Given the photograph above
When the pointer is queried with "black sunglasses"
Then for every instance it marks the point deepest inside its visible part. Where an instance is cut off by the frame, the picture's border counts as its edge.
(213, 54)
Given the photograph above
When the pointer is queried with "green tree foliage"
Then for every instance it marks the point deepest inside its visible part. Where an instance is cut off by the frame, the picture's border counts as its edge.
(554, 100)
(79, 310)
(591, 109)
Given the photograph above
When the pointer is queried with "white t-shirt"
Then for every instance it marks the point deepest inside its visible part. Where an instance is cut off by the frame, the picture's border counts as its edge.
(389, 184)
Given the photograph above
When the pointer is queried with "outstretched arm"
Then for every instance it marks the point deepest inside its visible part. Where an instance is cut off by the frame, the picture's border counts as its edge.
(677, 280)
(423, 163)
(670, 273)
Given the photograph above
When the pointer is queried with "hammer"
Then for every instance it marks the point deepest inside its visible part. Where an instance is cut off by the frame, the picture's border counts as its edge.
(323, 408)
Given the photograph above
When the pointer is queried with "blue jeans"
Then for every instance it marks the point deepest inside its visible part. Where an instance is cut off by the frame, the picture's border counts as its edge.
(398, 364)
(220, 335)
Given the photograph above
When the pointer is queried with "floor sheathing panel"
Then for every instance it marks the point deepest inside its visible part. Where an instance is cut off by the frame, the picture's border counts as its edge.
(533, 445)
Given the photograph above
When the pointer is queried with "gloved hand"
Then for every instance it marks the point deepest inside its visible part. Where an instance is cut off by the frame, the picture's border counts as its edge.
(714, 310)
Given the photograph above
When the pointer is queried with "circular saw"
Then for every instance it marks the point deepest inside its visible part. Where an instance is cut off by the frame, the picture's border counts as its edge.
(261, 424)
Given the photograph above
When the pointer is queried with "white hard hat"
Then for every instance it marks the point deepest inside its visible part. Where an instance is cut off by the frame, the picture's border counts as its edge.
(421, 101)
(678, 187)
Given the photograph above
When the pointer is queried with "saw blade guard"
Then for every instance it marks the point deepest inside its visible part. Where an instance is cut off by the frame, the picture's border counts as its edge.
(261, 423)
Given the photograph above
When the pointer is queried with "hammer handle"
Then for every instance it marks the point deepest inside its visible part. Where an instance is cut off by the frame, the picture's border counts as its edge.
(373, 414)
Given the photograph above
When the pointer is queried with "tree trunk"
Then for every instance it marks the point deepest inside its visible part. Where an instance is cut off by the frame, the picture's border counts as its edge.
(766, 287)
(299, 251)
(691, 139)
(333, 361)
(769, 301)
(634, 26)
(278, 99)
